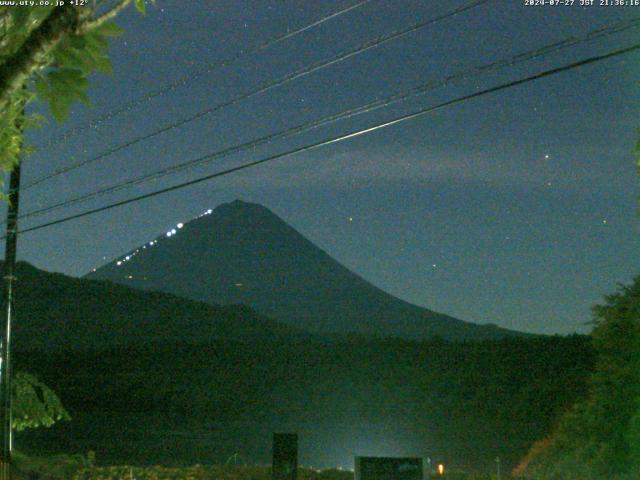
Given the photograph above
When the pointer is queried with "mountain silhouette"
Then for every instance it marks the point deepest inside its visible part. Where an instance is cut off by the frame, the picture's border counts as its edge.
(57, 312)
(242, 253)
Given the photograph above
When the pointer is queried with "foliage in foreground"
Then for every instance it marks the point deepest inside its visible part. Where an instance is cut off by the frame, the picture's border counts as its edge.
(77, 467)
(600, 437)
(57, 467)
(35, 405)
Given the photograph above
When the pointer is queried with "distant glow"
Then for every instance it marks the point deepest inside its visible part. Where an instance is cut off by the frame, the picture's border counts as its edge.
(180, 225)
(238, 284)
(151, 244)
(441, 469)
(129, 276)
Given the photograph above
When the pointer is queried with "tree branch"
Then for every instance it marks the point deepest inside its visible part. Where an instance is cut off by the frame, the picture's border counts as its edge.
(105, 17)
(34, 52)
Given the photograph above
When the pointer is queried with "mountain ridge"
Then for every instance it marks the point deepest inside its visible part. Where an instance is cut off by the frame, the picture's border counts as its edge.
(54, 311)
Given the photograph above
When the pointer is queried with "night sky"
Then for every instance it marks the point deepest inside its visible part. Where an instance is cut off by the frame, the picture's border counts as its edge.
(517, 208)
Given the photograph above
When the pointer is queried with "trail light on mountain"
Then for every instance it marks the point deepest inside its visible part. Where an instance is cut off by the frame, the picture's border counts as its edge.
(173, 231)
(169, 234)
(180, 225)
(119, 263)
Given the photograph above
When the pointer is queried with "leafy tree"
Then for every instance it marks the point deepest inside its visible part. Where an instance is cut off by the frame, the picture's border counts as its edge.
(600, 436)
(47, 53)
(35, 405)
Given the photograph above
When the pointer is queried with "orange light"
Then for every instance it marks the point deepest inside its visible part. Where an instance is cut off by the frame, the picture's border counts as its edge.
(441, 469)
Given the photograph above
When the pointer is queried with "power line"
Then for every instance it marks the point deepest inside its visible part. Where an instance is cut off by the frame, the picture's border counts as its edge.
(340, 138)
(185, 80)
(345, 114)
(269, 86)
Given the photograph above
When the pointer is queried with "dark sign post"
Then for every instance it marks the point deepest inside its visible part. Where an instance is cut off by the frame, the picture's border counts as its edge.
(388, 468)
(285, 456)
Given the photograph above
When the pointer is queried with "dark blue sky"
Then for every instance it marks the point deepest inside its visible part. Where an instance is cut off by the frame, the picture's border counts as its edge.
(517, 208)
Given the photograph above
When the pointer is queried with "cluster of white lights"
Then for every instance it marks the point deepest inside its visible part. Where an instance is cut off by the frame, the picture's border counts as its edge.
(135, 252)
(173, 231)
(170, 233)
(206, 212)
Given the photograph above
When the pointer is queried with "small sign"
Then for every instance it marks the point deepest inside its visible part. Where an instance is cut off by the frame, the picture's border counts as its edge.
(388, 468)
(285, 456)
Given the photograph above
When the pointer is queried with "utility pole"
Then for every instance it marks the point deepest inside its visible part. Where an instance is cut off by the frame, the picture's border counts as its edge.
(5, 336)
(498, 467)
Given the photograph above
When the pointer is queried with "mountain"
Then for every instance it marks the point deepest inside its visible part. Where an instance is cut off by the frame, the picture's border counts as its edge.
(242, 253)
(54, 311)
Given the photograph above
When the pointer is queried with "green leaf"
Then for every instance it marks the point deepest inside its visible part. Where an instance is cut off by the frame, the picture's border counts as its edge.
(141, 6)
(21, 19)
(108, 29)
(65, 86)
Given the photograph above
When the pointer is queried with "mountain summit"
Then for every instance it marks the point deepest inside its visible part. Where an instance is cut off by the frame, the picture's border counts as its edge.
(242, 253)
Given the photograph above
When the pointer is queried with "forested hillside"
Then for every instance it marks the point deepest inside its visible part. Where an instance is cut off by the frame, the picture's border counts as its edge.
(180, 404)
(600, 436)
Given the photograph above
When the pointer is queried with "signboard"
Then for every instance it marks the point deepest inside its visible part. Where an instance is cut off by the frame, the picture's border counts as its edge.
(388, 468)
(285, 456)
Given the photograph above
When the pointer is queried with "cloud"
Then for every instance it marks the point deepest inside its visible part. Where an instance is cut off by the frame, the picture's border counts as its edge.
(518, 166)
